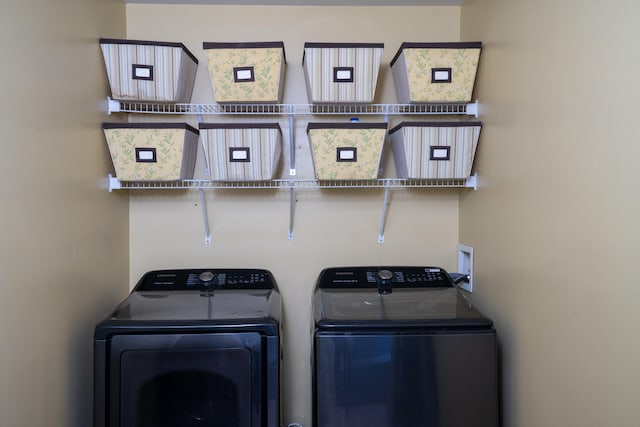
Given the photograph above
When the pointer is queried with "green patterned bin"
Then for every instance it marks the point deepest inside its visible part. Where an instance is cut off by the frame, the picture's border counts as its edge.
(435, 72)
(349, 151)
(246, 72)
(152, 151)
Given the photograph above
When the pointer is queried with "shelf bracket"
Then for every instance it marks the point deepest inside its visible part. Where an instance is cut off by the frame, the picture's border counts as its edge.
(292, 142)
(114, 183)
(292, 201)
(205, 217)
(112, 106)
(383, 220)
(472, 109)
(472, 182)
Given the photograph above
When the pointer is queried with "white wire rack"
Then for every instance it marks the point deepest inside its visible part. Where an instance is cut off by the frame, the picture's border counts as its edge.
(296, 184)
(293, 184)
(293, 109)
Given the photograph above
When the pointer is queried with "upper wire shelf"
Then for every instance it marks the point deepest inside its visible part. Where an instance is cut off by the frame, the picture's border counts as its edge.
(292, 109)
(471, 182)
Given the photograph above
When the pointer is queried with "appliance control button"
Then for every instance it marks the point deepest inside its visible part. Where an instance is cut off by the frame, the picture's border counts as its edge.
(385, 274)
(206, 277)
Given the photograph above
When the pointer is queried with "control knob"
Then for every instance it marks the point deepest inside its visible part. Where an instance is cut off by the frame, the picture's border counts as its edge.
(385, 278)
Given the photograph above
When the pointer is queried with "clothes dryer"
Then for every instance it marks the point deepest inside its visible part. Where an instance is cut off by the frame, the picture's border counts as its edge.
(187, 348)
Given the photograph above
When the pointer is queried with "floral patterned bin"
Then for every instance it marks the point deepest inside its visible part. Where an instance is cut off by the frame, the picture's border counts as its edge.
(152, 151)
(435, 72)
(434, 150)
(241, 151)
(346, 150)
(149, 71)
(246, 72)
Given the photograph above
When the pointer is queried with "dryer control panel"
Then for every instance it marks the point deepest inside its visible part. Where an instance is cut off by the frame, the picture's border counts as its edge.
(201, 279)
(383, 278)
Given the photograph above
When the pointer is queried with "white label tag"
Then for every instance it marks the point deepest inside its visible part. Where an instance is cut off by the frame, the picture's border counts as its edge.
(343, 75)
(145, 154)
(347, 154)
(440, 153)
(239, 155)
(243, 75)
(143, 72)
(441, 75)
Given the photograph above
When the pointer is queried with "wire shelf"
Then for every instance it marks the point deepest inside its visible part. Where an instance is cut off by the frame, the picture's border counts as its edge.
(292, 109)
(115, 184)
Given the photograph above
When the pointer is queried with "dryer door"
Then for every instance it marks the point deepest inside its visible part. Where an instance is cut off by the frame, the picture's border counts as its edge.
(183, 380)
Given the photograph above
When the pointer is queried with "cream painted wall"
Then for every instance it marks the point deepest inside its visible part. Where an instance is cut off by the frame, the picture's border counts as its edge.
(331, 227)
(555, 220)
(64, 246)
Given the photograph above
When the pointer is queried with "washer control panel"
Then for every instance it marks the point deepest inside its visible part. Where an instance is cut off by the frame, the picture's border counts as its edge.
(201, 279)
(383, 277)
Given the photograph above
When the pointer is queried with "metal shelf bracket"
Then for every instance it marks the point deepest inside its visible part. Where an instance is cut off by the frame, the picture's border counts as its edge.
(472, 109)
(292, 201)
(114, 183)
(383, 220)
(113, 106)
(205, 218)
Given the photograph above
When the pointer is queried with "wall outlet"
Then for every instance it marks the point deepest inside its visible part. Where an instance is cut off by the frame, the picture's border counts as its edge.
(465, 266)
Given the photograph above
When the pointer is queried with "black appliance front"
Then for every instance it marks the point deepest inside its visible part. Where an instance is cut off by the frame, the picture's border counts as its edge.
(189, 348)
(400, 346)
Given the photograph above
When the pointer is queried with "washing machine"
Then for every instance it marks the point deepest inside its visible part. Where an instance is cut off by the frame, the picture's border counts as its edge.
(191, 347)
(400, 347)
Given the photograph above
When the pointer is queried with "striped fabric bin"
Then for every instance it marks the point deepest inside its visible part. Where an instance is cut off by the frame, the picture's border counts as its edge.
(241, 151)
(149, 71)
(341, 72)
(350, 151)
(152, 151)
(435, 72)
(246, 72)
(434, 150)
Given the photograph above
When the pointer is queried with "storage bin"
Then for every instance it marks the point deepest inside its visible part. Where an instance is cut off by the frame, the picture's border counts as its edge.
(152, 151)
(426, 150)
(241, 151)
(149, 71)
(341, 72)
(435, 72)
(346, 150)
(246, 72)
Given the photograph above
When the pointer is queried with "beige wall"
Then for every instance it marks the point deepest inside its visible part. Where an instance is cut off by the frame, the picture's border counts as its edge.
(64, 244)
(555, 220)
(553, 223)
(331, 227)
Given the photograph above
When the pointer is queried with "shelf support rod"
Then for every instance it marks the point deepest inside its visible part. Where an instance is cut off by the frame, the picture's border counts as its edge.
(205, 217)
(205, 151)
(292, 142)
(383, 220)
(292, 201)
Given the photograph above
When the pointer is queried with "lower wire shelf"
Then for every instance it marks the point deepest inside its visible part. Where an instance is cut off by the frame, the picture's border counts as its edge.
(291, 185)
(116, 184)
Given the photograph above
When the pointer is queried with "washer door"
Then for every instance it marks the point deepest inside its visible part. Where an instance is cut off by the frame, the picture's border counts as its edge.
(440, 379)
